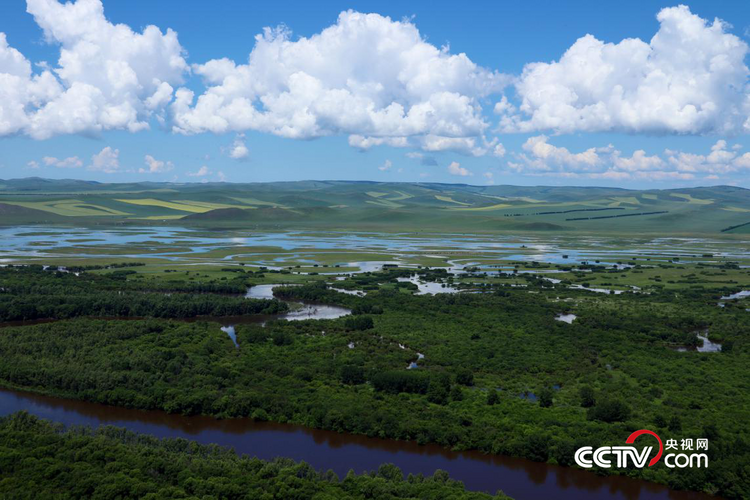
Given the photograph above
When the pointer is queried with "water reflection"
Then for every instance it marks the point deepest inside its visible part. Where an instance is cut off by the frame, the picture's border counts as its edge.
(262, 291)
(567, 318)
(177, 244)
(428, 287)
(315, 311)
(707, 346)
(229, 330)
(299, 310)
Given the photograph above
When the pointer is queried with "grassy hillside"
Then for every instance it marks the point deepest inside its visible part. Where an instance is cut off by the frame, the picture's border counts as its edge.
(722, 210)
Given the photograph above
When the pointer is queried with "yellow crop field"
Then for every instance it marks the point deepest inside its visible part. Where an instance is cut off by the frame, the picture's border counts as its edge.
(68, 208)
(257, 202)
(632, 200)
(385, 203)
(451, 200)
(482, 209)
(690, 199)
(197, 207)
(401, 196)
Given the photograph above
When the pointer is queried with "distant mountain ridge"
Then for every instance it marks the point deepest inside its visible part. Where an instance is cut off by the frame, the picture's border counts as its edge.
(42, 184)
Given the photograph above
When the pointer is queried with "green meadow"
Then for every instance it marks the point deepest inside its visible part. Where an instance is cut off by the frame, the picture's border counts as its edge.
(411, 207)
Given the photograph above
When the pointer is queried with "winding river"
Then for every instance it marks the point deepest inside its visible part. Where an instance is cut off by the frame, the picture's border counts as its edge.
(519, 478)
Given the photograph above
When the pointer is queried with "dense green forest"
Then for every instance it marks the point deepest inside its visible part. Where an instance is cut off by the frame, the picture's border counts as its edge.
(36, 279)
(39, 459)
(30, 293)
(500, 374)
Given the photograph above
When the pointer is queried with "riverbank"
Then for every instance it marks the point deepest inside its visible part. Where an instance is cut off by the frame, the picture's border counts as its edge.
(109, 462)
(341, 452)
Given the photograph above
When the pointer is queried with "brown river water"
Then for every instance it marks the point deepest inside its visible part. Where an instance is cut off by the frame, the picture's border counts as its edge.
(519, 478)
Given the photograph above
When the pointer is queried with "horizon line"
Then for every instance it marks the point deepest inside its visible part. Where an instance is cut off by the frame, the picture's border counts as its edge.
(199, 183)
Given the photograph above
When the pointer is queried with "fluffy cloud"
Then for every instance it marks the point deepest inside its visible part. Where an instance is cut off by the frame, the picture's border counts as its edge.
(107, 76)
(70, 162)
(238, 150)
(364, 143)
(386, 166)
(539, 157)
(107, 161)
(366, 76)
(470, 146)
(201, 172)
(719, 161)
(543, 156)
(20, 89)
(639, 161)
(154, 166)
(689, 79)
(455, 168)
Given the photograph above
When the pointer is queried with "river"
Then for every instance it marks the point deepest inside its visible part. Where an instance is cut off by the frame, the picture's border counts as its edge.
(519, 478)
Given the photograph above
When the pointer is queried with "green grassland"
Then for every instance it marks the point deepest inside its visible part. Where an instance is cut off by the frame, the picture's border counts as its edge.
(415, 207)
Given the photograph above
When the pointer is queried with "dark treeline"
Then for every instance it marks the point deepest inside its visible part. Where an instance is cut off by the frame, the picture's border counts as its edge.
(30, 293)
(43, 460)
(565, 211)
(35, 279)
(96, 267)
(621, 215)
(737, 226)
(131, 304)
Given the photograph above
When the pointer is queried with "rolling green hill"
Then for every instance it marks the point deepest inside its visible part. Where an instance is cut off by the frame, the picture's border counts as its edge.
(721, 210)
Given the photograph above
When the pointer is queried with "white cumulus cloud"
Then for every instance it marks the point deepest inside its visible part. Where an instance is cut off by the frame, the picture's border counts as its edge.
(455, 168)
(539, 157)
(366, 76)
(387, 164)
(107, 76)
(154, 166)
(70, 162)
(719, 160)
(239, 150)
(107, 160)
(690, 78)
(201, 172)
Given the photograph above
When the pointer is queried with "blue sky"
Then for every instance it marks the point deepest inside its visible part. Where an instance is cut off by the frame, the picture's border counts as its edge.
(118, 134)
